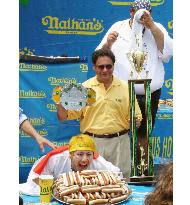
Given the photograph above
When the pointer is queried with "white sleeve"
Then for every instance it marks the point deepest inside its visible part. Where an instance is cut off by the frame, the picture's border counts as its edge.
(115, 27)
(48, 169)
(22, 117)
(168, 45)
(32, 175)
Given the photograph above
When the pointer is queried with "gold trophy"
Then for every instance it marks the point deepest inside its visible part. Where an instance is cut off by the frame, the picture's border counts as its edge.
(142, 165)
(137, 59)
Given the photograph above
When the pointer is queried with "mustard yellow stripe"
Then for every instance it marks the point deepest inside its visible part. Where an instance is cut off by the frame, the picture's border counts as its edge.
(32, 70)
(128, 3)
(31, 97)
(74, 32)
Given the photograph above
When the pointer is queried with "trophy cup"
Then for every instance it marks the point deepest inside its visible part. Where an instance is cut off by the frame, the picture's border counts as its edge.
(142, 164)
(137, 59)
(73, 96)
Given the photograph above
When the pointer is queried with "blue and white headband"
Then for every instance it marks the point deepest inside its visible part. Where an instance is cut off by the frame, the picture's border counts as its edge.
(141, 4)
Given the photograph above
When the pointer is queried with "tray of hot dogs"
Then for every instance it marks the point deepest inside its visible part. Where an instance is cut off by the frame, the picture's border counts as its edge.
(90, 187)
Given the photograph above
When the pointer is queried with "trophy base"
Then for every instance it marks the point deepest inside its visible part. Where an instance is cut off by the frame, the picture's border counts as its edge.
(142, 180)
(139, 81)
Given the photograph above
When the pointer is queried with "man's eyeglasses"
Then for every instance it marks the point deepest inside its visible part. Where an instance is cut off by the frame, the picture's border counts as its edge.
(107, 66)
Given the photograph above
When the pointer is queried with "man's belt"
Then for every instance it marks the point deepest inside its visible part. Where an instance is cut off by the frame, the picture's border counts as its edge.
(117, 134)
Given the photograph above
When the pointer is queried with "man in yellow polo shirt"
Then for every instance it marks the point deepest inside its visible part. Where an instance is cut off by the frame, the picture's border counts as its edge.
(108, 119)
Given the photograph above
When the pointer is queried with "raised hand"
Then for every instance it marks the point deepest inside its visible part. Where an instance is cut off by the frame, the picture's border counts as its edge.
(112, 37)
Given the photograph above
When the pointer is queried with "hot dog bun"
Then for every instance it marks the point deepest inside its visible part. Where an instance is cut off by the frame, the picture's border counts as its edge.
(98, 201)
(118, 199)
(90, 189)
(69, 190)
(76, 201)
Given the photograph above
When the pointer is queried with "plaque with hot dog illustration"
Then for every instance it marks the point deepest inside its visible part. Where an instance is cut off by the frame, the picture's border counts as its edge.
(73, 96)
(90, 187)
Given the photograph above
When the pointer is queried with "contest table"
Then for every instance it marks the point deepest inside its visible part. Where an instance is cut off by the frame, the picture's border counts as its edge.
(136, 198)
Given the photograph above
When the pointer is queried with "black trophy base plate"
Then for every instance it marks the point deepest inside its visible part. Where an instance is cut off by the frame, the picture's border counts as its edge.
(142, 180)
(139, 81)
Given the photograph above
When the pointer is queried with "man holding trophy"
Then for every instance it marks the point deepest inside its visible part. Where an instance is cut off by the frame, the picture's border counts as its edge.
(141, 46)
(108, 119)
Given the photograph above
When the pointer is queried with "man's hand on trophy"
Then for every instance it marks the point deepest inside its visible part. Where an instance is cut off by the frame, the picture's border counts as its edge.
(147, 20)
(56, 94)
(112, 37)
(138, 122)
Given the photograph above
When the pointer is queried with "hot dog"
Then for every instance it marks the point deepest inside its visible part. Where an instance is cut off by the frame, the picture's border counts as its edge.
(98, 201)
(103, 195)
(76, 201)
(90, 189)
(89, 172)
(105, 178)
(74, 177)
(112, 190)
(68, 179)
(78, 178)
(64, 179)
(69, 190)
(111, 186)
(113, 178)
(70, 175)
(100, 179)
(118, 199)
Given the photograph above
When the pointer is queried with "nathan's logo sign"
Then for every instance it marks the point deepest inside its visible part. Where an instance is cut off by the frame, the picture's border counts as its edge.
(37, 121)
(42, 132)
(72, 26)
(27, 160)
(165, 116)
(84, 67)
(32, 67)
(128, 3)
(32, 94)
(61, 143)
(61, 81)
(169, 86)
(170, 24)
(51, 107)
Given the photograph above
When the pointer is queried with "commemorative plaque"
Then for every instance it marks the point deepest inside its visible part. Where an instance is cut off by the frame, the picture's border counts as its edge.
(73, 96)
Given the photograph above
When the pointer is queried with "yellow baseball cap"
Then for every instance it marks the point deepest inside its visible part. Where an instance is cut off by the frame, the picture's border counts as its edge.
(81, 142)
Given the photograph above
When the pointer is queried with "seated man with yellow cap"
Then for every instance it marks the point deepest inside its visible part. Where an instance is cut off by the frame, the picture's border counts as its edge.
(77, 156)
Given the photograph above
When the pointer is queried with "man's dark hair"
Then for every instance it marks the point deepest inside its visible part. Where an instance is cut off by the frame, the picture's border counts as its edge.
(101, 53)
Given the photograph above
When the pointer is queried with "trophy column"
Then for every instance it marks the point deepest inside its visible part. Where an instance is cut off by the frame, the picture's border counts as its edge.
(142, 170)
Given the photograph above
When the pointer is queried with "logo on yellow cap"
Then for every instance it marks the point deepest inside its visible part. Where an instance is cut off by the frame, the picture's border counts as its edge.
(81, 142)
